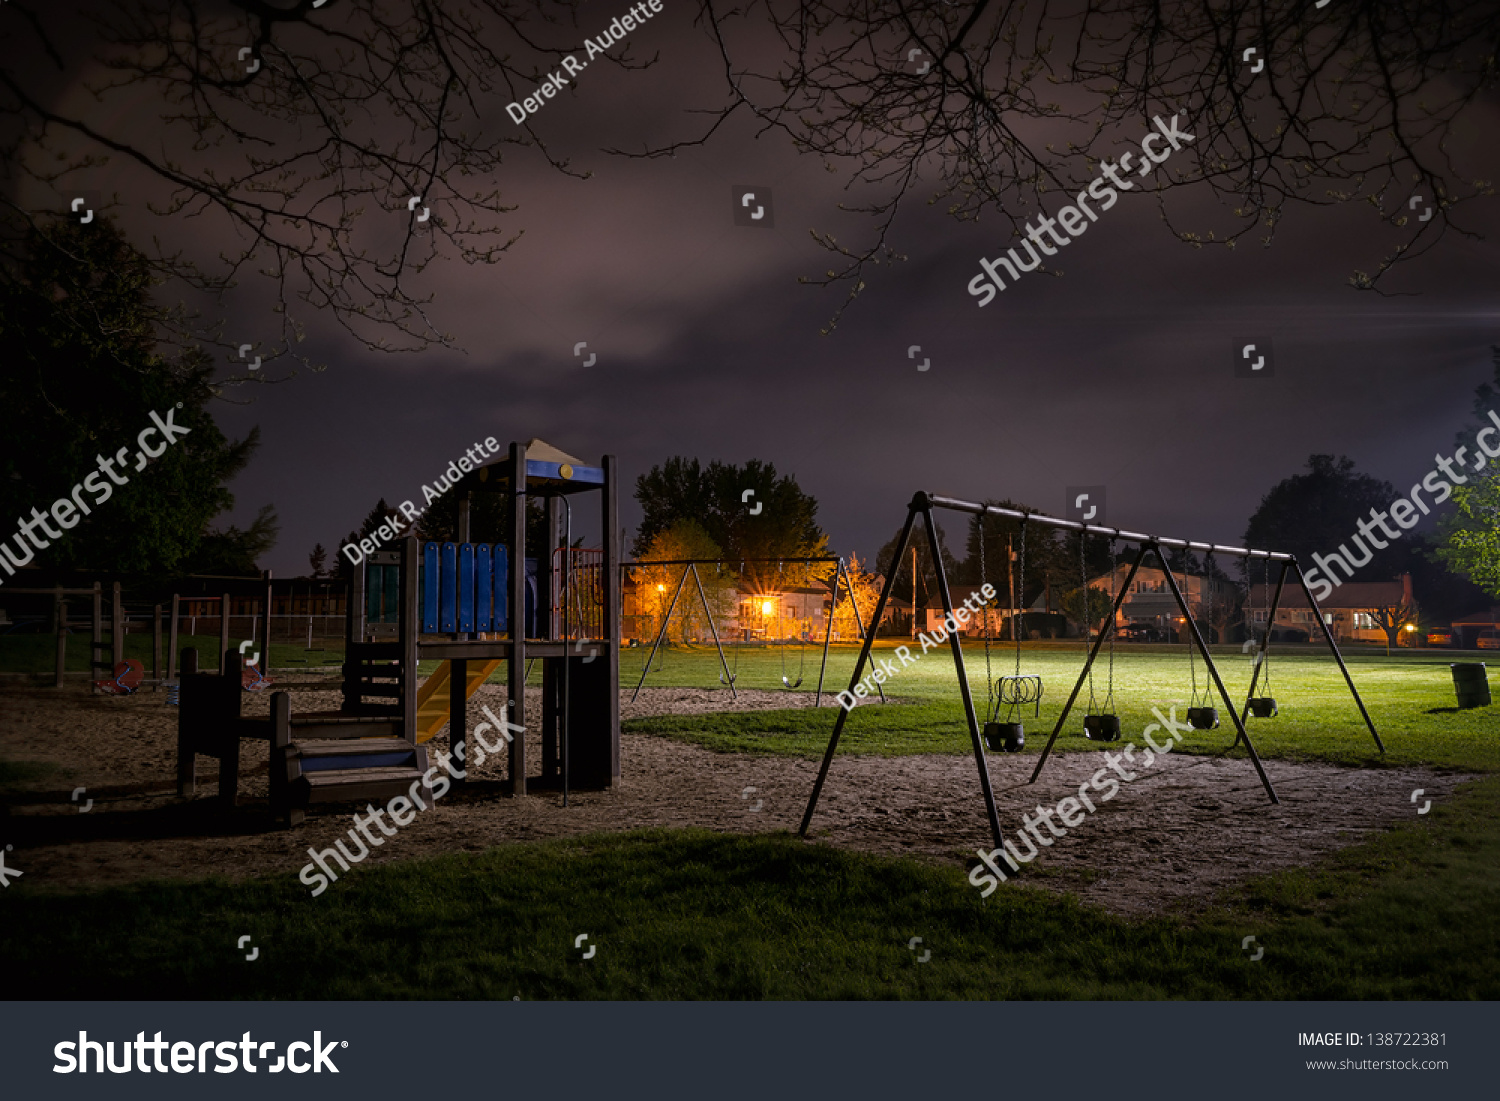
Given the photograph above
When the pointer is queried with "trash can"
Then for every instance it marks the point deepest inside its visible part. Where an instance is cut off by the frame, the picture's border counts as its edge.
(1471, 684)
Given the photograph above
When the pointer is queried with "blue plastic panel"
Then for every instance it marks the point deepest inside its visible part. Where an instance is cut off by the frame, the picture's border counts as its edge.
(466, 587)
(484, 587)
(502, 588)
(429, 588)
(447, 584)
(584, 475)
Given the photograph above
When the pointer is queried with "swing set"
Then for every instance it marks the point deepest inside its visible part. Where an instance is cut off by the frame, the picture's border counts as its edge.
(728, 676)
(1103, 725)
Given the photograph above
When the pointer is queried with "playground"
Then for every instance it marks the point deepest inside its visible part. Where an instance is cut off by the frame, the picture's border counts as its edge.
(902, 784)
(675, 781)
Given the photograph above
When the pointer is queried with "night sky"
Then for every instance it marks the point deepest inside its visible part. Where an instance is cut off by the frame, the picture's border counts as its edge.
(1119, 372)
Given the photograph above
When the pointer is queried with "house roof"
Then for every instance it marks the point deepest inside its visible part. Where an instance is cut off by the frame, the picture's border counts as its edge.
(1351, 594)
(1491, 616)
(959, 593)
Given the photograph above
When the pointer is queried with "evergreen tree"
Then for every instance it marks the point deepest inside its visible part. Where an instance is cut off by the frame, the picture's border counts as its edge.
(84, 372)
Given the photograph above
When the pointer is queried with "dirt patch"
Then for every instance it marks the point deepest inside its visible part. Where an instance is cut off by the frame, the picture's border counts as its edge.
(1186, 828)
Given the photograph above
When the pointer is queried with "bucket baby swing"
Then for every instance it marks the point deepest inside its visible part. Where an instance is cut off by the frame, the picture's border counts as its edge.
(1011, 692)
(1263, 706)
(1201, 715)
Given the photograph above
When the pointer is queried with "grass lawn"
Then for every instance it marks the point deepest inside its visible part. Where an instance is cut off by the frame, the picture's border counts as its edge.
(1409, 696)
(1413, 914)
(1410, 914)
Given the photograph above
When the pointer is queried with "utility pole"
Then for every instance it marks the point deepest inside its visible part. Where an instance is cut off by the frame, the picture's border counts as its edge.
(914, 594)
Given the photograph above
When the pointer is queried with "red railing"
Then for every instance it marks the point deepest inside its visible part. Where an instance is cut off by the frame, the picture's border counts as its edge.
(578, 591)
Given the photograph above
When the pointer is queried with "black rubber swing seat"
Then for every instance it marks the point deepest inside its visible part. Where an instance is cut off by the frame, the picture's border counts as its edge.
(1203, 718)
(1263, 707)
(1101, 728)
(1005, 737)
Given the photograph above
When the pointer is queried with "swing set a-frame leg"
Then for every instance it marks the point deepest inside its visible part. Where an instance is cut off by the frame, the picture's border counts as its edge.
(840, 572)
(920, 504)
(665, 620)
(714, 630)
(1265, 643)
(1213, 672)
(854, 678)
(1338, 657)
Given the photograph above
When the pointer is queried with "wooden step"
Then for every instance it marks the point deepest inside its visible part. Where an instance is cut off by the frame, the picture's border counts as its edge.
(352, 785)
(333, 718)
(340, 747)
(313, 725)
(353, 754)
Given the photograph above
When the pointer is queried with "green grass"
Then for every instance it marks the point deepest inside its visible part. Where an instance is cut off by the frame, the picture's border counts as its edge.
(1409, 696)
(1413, 914)
(20, 773)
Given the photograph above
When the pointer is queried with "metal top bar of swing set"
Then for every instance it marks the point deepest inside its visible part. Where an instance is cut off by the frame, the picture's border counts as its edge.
(721, 561)
(1098, 529)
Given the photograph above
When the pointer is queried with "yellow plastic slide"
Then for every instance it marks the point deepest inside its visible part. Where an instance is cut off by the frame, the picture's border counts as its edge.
(433, 695)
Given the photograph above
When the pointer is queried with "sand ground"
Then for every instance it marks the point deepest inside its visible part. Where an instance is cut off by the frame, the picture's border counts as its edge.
(1185, 829)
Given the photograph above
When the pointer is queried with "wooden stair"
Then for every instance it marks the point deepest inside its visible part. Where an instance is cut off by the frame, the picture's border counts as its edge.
(338, 757)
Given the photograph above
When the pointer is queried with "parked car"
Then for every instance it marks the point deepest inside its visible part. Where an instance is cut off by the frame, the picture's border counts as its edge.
(1489, 640)
(1440, 636)
(1139, 632)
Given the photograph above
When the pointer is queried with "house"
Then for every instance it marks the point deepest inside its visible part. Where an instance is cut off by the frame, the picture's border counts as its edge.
(1150, 598)
(739, 615)
(995, 612)
(1352, 611)
(1467, 629)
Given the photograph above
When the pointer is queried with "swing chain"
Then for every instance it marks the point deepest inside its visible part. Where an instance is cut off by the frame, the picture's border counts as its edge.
(991, 709)
(1265, 652)
(1083, 577)
(1114, 569)
(1017, 628)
